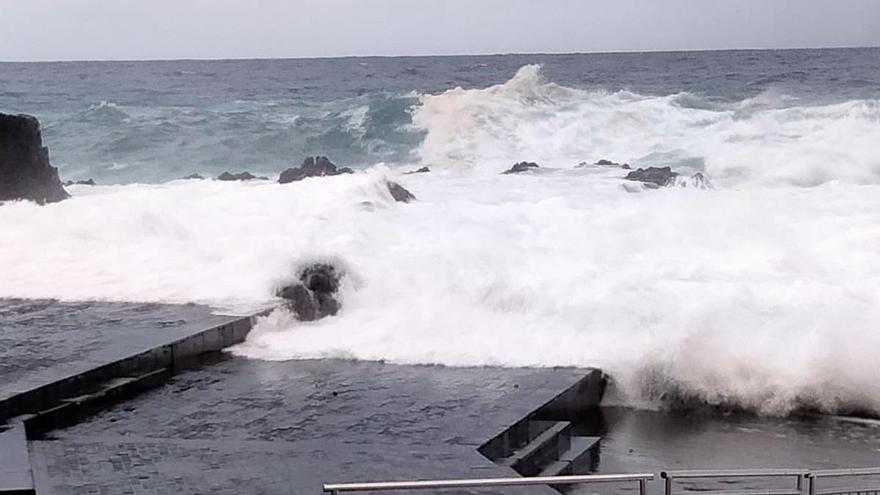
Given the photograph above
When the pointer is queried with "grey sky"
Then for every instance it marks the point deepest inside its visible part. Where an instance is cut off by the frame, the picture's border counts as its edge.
(150, 29)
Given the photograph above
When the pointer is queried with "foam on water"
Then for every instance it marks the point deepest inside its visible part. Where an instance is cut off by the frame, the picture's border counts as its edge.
(765, 140)
(760, 292)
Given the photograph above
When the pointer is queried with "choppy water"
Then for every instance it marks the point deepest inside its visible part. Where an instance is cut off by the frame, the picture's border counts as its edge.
(764, 291)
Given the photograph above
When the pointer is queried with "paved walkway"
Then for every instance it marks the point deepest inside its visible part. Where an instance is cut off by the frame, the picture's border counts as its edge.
(44, 341)
(253, 427)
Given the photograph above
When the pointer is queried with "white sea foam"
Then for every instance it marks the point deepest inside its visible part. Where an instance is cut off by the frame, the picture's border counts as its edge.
(759, 291)
(744, 143)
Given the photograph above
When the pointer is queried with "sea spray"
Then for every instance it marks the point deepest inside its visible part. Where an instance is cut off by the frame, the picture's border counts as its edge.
(760, 292)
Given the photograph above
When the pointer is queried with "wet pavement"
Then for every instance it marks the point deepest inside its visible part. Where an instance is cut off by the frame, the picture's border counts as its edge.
(43, 341)
(242, 426)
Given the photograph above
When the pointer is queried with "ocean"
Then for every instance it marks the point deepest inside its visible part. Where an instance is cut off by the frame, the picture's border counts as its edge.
(763, 292)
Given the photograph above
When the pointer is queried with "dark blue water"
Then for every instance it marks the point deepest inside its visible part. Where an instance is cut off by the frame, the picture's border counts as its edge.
(155, 121)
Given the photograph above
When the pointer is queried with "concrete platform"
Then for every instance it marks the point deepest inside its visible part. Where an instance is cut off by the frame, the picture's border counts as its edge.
(244, 426)
(45, 341)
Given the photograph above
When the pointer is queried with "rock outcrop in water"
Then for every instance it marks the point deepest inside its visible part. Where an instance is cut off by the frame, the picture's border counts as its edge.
(194, 177)
(653, 176)
(423, 170)
(25, 171)
(657, 177)
(314, 296)
(400, 193)
(521, 167)
(87, 182)
(227, 177)
(318, 166)
(604, 163)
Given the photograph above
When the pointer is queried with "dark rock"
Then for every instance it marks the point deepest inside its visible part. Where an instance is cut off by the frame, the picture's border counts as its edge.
(318, 166)
(658, 176)
(423, 170)
(25, 171)
(194, 176)
(399, 193)
(314, 296)
(521, 167)
(226, 176)
(320, 278)
(603, 163)
(88, 182)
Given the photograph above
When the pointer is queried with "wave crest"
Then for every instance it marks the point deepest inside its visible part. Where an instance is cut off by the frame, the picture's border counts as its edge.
(767, 140)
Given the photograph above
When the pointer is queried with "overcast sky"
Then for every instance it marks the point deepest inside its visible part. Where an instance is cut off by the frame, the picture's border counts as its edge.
(163, 29)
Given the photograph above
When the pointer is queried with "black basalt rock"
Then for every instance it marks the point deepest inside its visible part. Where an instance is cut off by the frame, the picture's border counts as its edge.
(25, 171)
(226, 176)
(521, 167)
(194, 177)
(313, 166)
(604, 163)
(87, 182)
(400, 193)
(314, 296)
(656, 176)
(423, 170)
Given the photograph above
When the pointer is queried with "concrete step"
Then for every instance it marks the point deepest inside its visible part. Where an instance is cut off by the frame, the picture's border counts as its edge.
(16, 477)
(576, 460)
(543, 449)
(73, 410)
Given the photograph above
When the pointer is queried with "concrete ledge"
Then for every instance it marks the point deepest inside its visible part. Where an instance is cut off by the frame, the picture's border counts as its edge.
(173, 356)
(16, 477)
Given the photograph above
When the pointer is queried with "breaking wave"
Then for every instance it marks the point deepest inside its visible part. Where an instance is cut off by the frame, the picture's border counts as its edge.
(761, 292)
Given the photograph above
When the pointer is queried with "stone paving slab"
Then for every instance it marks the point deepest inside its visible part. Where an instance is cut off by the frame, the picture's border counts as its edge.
(131, 465)
(15, 467)
(361, 402)
(44, 341)
(256, 427)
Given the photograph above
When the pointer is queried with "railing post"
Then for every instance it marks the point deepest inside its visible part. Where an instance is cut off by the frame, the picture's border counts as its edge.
(643, 486)
(812, 483)
(800, 483)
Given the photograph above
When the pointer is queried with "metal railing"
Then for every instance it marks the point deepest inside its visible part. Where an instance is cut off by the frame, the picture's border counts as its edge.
(814, 476)
(670, 477)
(642, 480)
(798, 474)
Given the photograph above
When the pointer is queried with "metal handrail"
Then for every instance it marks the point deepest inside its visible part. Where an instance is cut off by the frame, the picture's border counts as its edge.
(733, 473)
(813, 477)
(826, 473)
(337, 488)
(801, 474)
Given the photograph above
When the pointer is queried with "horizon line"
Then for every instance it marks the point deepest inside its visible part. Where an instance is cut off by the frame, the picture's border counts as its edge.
(444, 55)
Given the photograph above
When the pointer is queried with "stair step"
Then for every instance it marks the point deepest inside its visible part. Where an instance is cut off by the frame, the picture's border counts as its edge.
(558, 468)
(72, 410)
(581, 453)
(545, 448)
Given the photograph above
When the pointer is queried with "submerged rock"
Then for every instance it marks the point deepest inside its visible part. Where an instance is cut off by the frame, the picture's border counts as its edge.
(521, 167)
(87, 182)
(25, 171)
(604, 163)
(653, 176)
(423, 170)
(314, 296)
(318, 166)
(399, 193)
(226, 176)
(194, 177)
